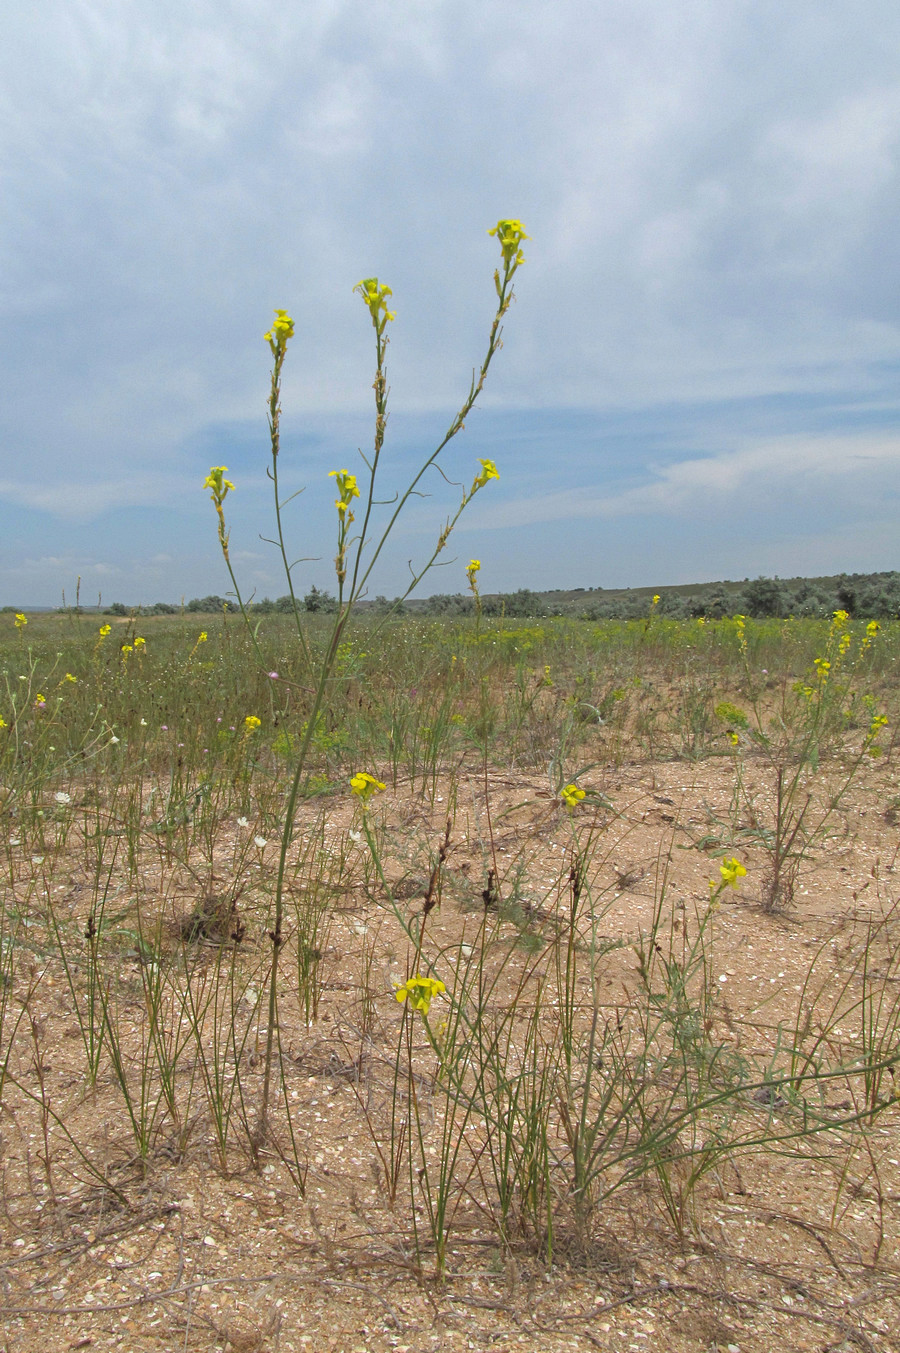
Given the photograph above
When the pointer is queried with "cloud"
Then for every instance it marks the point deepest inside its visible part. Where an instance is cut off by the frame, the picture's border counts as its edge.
(772, 471)
(712, 194)
(75, 500)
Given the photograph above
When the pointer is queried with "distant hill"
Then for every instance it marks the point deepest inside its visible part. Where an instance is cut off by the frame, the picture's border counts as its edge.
(864, 595)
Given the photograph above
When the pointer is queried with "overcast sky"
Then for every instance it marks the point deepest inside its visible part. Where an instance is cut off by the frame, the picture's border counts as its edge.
(700, 373)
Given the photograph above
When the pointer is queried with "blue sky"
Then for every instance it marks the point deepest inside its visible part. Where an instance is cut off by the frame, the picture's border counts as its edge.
(700, 374)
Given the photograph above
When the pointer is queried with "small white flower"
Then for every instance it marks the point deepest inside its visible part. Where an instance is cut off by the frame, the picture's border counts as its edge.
(15, 841)
(37, 859)
(242, 822)
(114, 738)
(260, 841)
(355, 836)
(143, 723)
(62, 797)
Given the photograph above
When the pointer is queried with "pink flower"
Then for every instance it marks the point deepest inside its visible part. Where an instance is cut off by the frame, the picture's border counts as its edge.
(273, 676)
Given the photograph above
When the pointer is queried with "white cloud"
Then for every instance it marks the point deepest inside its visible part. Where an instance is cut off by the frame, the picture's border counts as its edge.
(772, 470)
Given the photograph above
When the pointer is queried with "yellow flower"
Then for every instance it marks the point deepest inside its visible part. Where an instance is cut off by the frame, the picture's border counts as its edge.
(216, 481)
(202, 637)
(872, 628)
(20, 621)
(251, 723)
(364, 786)
(488, 471)
(127, 648)
(3, 723)
(347, 488)
(140, 643)
(70, 677)
(375, 296)
(571, 796)
(40, 701)
(419, 991)
(104, 630)
(655, 601)
(280, 332)
(731, 871)
(510, 234)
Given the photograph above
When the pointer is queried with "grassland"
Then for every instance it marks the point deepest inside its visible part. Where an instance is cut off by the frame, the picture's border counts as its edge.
(626, 1105)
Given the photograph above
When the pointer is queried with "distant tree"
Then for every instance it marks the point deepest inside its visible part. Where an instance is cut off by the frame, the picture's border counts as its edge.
(322, 602)
(206, 605)
(764, 597)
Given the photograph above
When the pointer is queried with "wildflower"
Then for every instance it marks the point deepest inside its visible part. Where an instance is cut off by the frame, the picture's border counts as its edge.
(571, 796)
(510, 234)
(3, 723)
(143, 723)
(273, 676)
(419, 991)
(20, 621)
(251, 723)
(347, 488)
(364, 786)
(104, 630)
(872, 628)
(375, 296)
(39, 701)
(731, 871)
(488, 471)
(114, 739)
(280, 332)
(62, 797)
(471, 572)
(127, 648)
(216, 481)
(260, 841)
(733, 738)
(140, 643)
(655, 601)
(70, 677)
(202, 637)
(243, 822)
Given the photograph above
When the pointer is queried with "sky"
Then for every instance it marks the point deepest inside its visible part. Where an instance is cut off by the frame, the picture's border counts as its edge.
(699, 376)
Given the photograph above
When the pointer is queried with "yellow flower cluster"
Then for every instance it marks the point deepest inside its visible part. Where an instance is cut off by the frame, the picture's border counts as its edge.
(571, 796)
(364, 786)
(347, 488)
(731, 871)
(20, 621)
(280, 332)
(375, 296)
(420, 992)
(251, 723)
(488, 471)
(216, 481)
(510, 234)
